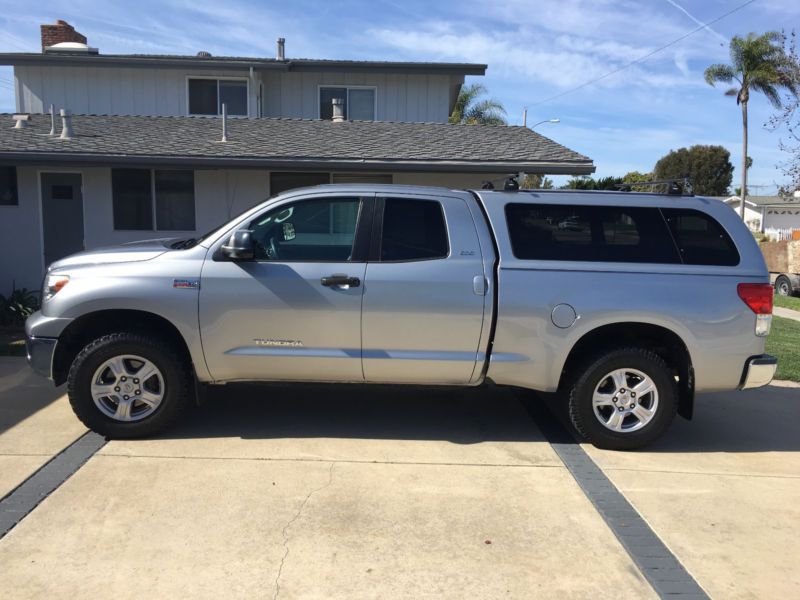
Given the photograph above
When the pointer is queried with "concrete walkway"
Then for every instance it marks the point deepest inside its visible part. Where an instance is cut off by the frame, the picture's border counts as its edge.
(786, 313)
(363, 492)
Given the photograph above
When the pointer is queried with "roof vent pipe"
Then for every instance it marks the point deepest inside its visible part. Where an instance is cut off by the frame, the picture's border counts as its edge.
(21, 120)
(338, 110)
(52, 121)
(281, 49)
(224, 123)
(66, 124)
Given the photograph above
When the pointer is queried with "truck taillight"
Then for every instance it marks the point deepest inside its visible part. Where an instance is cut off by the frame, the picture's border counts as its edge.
(758, 297)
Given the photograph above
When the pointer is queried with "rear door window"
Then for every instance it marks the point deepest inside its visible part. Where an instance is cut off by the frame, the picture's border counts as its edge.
(589, 233)
(413, 230)
(701, 240)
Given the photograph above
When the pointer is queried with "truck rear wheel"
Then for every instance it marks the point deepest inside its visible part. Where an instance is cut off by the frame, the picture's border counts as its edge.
(783, 287)
(127, 385)
(623, 399)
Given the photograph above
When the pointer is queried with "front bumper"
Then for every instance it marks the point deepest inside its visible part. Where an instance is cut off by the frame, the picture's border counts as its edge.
(758, 371)
(40, 353)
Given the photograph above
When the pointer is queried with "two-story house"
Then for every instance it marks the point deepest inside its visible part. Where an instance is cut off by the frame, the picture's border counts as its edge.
(144, 151)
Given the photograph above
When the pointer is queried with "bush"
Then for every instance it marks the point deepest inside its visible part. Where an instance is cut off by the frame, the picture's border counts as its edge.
(18, 306)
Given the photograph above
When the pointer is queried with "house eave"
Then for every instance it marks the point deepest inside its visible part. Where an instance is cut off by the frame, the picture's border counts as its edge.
(238, 64)
(295, 163)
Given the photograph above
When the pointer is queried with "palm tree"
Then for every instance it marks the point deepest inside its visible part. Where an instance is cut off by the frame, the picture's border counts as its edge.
(758, 63)
(468, 109)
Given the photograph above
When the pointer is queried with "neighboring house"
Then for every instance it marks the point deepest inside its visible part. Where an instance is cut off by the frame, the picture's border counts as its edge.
(767, 212)
(146, 156)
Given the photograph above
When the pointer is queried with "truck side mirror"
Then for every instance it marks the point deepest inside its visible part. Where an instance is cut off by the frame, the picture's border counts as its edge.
(239, 246)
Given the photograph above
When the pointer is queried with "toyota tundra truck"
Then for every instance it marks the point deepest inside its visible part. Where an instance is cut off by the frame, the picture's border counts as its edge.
(625, 304)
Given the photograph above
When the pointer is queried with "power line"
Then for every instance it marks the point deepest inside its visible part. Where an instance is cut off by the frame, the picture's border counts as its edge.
(643, 58)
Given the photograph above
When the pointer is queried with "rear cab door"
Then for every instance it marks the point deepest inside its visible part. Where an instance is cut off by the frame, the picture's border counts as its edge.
(427, 291)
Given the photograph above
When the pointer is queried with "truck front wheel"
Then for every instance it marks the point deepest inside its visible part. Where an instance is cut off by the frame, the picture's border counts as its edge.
(783, 287)
(127, 385)
(623, 399)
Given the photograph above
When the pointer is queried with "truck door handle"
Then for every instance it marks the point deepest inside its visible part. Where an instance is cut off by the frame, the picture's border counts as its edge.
(340, 280)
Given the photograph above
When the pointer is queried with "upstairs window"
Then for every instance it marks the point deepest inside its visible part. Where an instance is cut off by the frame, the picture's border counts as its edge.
(142, 197)
(206, 96)
(359, 102)
(8, 186)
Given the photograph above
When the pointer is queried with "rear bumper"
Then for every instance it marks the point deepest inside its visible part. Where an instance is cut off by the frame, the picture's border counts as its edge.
(758, 371)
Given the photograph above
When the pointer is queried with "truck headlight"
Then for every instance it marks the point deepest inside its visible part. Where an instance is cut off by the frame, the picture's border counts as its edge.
(53, 284)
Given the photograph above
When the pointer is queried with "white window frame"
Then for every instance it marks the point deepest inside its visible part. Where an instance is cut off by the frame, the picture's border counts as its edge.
(153, 200)
(218, 78)
(374, 88)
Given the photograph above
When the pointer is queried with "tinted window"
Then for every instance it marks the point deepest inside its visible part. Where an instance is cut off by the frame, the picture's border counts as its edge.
(234, 95)
(361, 105)
(700, 239)
(202, 96)
(413, 230)
(206, 97)
(175, 200)
(311, 231)
(589, 233)
(358, 104)
(133, 207)
(326, 95)
(8, 186)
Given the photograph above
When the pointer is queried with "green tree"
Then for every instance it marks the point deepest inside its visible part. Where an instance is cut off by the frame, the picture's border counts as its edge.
(787, 119)
(536, 181)
(636, 176)
(758, 63)
(585, 182)
(471, 110)
(708, 168)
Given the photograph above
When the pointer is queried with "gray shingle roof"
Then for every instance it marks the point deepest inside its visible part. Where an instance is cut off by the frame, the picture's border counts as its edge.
(270, 142)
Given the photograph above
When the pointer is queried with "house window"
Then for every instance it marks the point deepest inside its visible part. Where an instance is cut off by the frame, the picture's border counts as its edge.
(8, 186)
(206, 96)
(142, 197)
(359, 102)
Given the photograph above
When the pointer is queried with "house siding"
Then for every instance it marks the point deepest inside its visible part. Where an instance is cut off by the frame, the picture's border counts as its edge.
(106, 91)
(163, 92)
(220, 195)
(406, 98)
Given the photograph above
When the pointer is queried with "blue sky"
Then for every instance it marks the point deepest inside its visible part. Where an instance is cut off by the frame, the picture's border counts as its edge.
(535, 50)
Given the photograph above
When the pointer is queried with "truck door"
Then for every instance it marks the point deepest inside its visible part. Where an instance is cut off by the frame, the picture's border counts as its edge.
(294, 312)
(423, 306)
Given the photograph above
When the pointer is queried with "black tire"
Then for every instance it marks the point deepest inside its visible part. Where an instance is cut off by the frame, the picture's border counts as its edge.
(592, 373)
(170, 361)
(783, 286)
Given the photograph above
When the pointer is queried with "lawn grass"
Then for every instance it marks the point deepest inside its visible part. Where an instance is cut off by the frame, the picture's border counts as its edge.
(784, 342)
(792, 302)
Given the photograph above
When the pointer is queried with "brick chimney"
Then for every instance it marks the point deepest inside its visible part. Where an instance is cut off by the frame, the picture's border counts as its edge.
(60, 32)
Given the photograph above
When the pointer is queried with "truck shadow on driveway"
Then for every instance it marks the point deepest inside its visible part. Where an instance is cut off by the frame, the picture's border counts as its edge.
(763, 420)
(461, 416)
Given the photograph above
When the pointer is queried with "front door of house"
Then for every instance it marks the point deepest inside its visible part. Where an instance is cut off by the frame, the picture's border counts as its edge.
(62, 215)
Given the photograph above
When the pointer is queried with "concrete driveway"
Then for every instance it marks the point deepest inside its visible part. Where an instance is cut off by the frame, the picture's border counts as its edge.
(367, 492)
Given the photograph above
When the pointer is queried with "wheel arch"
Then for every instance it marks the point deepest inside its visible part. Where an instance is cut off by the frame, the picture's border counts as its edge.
(661, 340)
(98, 323)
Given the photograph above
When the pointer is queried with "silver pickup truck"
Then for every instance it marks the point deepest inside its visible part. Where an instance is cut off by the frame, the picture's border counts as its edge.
(624, 303)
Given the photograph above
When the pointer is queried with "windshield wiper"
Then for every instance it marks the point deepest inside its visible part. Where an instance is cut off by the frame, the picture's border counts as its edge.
(184, 244)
